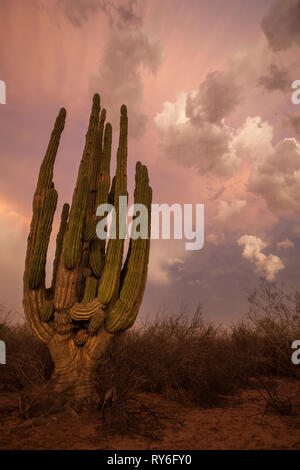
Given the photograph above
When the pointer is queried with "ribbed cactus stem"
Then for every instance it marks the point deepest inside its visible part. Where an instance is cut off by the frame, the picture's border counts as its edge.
(46, 170)
(91, 296)
(122, 315)
(90, 229)
(47, 311)
(96, 159)
(97, 254)
(96, 322)
(90, 289)
(75, 228)
(81, 192)
(110, 277)
(83, 312)
(38, 261)
(80, 338)
(59, 241)
(44, 183)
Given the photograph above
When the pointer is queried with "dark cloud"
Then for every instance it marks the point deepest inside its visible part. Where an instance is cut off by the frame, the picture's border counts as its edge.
(126, 15)
(122, 15)
(295, 122)
(218, 96)
(281, 25)
(119, 79)
(206, 147)
(79, 11)
(276, 79)
(128, 48)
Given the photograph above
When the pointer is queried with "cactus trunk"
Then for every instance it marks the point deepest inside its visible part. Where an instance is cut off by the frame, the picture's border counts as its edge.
(92, 296)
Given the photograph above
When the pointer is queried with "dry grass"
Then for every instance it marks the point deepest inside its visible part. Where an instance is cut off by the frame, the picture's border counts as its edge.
(186, 359)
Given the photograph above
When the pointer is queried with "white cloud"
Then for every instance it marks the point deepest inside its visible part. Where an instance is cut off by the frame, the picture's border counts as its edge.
(164, 261)
(277, 178)
(211, 147)
(204, 145)
(226, 211)
(253, 140)
(193, 130)
(268, 265)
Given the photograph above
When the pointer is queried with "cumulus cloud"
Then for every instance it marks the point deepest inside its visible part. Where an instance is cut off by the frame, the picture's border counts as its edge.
(253, 140)
(277, 178)
(217, 97)
(267, 265)
(195, 130)
(226, 211)
(281, 25)
(214, 148)
(285, 244)
(191, 141)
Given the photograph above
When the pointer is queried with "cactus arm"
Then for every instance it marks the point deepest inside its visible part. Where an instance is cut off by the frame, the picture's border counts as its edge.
(36, 274)
(70, 268)
(90, 289)
(97, 253)
(110, 278)
(75, 228)
(59, 241)
(44, 199)
(96, 162)
(81, 192)
(123, 313)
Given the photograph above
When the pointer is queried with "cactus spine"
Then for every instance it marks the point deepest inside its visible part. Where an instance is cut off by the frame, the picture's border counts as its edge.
(91, 296)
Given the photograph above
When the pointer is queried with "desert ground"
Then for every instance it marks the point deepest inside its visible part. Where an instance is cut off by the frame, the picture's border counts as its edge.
(150, 421)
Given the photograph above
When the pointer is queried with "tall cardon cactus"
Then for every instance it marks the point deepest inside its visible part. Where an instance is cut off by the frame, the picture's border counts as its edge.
(93, 294)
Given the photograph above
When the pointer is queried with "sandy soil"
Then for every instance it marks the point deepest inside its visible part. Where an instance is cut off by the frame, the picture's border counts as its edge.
(242, 422)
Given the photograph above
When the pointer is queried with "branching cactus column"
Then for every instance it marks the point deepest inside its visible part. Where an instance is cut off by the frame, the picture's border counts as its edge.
(92, 296)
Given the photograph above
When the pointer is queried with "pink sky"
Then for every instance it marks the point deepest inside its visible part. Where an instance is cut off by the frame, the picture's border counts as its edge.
(208, 89)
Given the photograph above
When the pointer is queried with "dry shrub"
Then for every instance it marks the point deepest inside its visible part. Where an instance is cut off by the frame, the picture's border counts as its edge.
(276, 399)
(275, 319)
(183, 358)
(28, 362)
